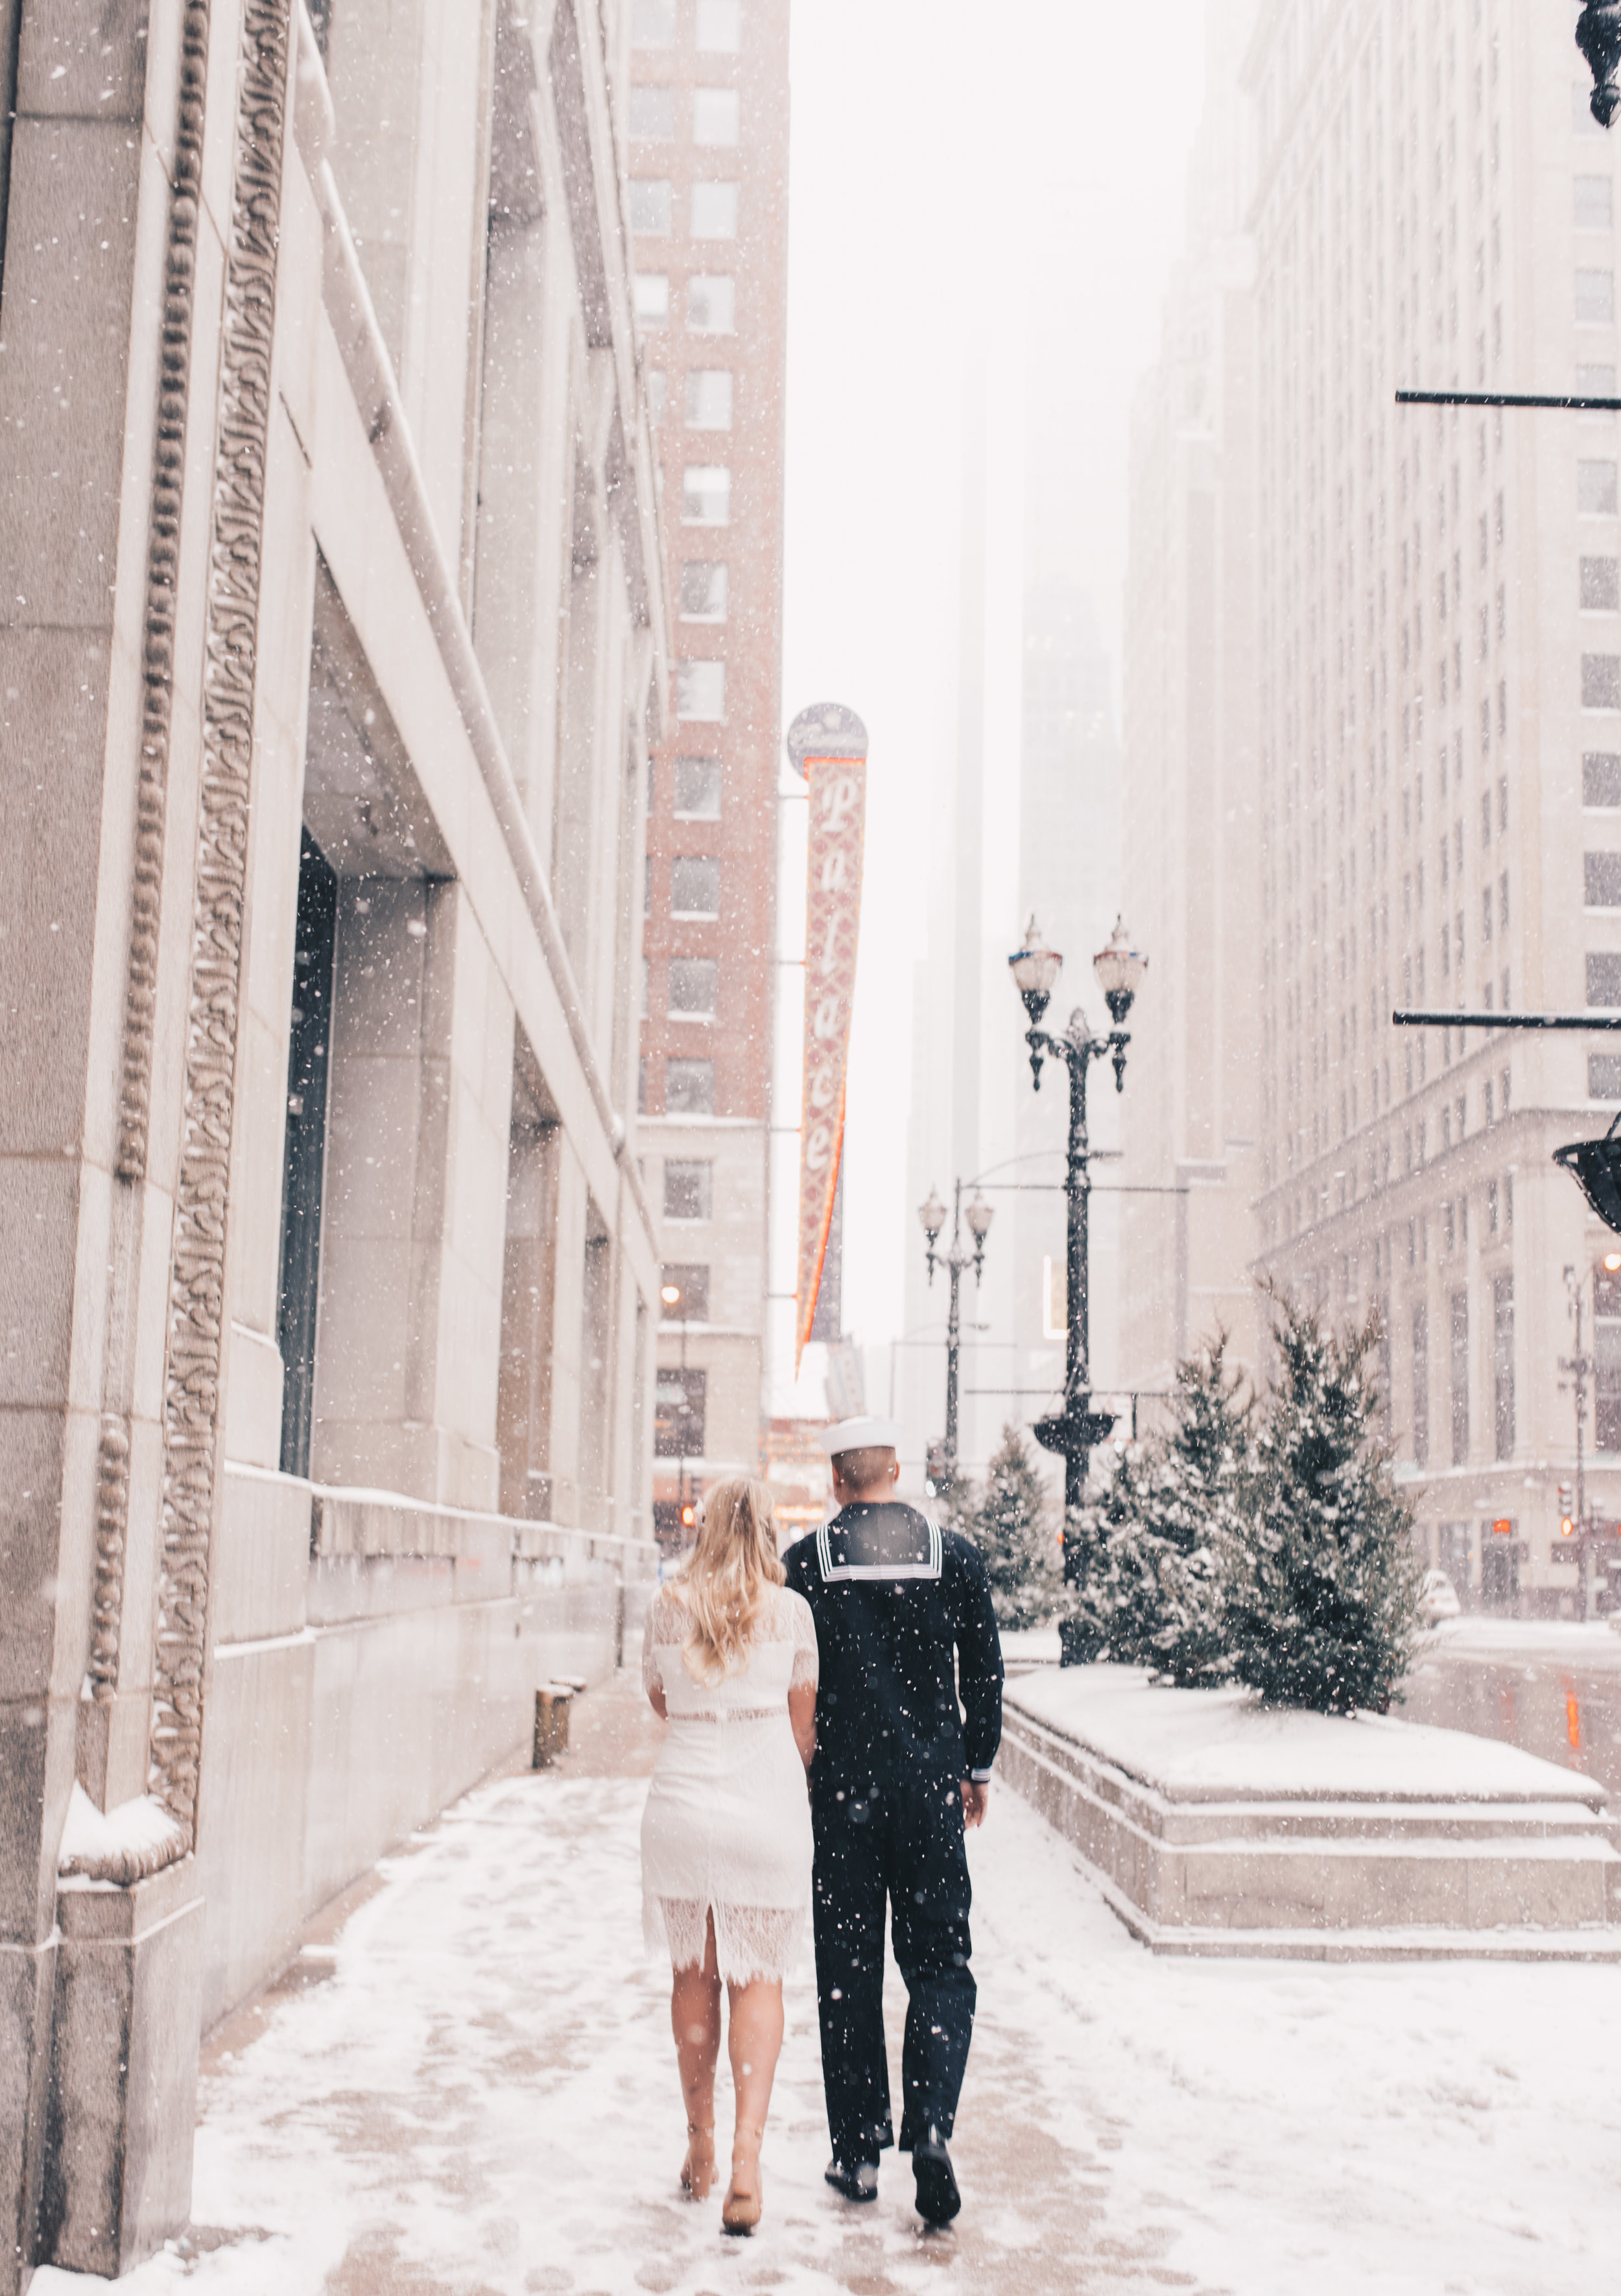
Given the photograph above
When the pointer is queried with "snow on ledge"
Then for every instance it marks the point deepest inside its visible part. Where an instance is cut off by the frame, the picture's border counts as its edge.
(1223, 1745)
(136, 1839)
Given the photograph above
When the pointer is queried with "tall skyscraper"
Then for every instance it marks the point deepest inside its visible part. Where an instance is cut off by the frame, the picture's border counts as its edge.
(707, 201)
(1438, 660)
(1189, 865)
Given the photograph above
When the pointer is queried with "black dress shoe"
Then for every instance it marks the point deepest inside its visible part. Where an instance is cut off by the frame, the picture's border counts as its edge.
(938, 2197)
(856, 2180)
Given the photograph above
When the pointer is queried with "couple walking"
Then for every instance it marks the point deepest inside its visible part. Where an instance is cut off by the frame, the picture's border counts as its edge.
(843, 1660)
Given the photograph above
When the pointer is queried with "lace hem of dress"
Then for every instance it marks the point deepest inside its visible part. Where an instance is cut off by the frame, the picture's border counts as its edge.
(750, 1942)
(729, 1714)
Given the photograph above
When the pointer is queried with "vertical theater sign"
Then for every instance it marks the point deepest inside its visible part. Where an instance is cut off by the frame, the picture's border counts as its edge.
(828, 745)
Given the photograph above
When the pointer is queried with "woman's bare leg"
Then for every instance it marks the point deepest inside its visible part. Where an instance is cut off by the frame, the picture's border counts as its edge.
(754, 2040)
(695, 2021)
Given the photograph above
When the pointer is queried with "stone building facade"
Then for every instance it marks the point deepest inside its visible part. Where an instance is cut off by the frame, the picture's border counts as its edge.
(709, 219)
(331, 651)
(1439, 646)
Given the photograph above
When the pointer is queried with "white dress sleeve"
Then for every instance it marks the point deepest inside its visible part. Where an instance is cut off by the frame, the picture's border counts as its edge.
(807, 1662)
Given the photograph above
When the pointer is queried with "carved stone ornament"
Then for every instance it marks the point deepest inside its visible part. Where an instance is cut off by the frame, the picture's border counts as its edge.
(192, 1398)
(1597, 35)
(151, 795)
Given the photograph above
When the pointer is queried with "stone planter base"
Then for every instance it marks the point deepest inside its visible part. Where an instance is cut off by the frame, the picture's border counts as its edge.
(1337, 1873)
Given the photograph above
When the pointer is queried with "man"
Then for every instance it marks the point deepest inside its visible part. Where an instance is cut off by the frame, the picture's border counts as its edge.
(904, 1621)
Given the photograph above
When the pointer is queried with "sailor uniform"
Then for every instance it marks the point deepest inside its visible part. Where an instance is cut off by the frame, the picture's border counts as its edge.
(904, 1625)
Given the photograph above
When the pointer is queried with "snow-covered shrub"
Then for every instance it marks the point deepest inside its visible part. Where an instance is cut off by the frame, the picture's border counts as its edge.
(1011, 1524)
(1157, 1539)
(1321, 1594)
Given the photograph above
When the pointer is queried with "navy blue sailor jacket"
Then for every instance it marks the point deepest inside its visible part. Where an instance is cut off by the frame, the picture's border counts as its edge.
(904, 1627)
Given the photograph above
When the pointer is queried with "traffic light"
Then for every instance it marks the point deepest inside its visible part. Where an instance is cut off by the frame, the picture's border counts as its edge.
(689, 1515)
(1567, 1502)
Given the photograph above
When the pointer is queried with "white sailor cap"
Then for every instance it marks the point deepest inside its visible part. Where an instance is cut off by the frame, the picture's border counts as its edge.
(861, 1435)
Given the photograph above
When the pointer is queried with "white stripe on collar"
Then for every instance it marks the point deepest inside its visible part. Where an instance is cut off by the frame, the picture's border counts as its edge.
(881, 1570)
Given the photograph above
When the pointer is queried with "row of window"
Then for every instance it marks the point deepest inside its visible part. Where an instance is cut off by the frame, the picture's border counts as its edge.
(715, 116)
(707, 399)
(711, 301)
(694, 886)
(717, 25)
(696, 788)
(700, 691)
(712, 212)
(692, 987)
(1503, 1372)
(689, 1090)
(706, 494)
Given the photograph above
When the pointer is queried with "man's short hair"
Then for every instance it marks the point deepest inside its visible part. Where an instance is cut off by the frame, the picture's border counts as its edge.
(858, 1469)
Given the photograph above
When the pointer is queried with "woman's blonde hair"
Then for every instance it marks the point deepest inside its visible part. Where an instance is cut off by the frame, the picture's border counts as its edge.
(724, 1580)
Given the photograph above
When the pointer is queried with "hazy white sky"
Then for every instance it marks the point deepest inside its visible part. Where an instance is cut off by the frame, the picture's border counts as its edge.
(1013, 173)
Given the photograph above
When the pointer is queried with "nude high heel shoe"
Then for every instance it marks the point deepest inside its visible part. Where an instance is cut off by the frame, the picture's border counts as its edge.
(698, 2170)
(740, 2209)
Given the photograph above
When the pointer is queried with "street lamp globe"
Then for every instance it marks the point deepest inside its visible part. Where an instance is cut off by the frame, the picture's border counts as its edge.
(670, 1293)
(1036, 968)
(1119, 968)
(933, 1215)
(978, 1215)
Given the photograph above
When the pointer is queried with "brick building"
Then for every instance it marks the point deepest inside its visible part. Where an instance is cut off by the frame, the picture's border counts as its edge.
(708, 213)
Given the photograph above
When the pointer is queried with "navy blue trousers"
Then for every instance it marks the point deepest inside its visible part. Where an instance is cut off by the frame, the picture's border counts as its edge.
(901, 1845)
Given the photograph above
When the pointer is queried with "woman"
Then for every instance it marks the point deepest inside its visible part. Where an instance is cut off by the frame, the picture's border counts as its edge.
(729, 1656)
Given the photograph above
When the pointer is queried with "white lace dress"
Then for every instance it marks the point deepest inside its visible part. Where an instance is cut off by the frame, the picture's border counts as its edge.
(727, 1826)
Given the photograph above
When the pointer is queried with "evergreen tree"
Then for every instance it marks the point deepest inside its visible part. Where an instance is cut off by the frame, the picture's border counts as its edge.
(1322, 1601)
(1014, 1533)
(1157, 1539)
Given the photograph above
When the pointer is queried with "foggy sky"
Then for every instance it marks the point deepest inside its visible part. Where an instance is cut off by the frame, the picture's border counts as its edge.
(1014, 175)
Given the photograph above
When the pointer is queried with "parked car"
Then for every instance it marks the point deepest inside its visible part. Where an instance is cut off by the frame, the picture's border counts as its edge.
(1437, 1599)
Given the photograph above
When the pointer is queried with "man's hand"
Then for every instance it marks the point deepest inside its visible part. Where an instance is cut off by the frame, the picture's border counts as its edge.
(974, 1800)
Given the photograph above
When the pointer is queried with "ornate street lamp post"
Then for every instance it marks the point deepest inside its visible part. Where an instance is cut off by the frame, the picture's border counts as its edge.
(943, 1461)
(1073, 1430)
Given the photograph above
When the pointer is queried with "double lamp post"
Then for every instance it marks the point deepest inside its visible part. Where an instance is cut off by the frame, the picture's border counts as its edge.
(1072, 1432)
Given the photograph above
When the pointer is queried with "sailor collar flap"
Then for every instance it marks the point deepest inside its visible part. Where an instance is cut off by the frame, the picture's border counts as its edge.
(882, 1542)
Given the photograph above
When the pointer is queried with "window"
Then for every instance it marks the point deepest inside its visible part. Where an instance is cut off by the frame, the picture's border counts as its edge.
(653, 114)
(1502, 1363)
(720, 31)
(689, 1087)
(1600, 777)
(1601, 880)
(1421, 1372)
(715, 115)
(700, 691)
(698, 789)
(304, 1148)
(1594, 203)
(1602, 681)
(650, 205)
(651, 294)
(1600, 585)
(712, 303)
(1595, 299)
(689, 1189)
(1604, 1076)
(714, 210)
(1603, 978)
(678, 1414)
(706, 494)
(695, 886)
(657, 394)
(695, 988)
(1607, 1348)
(694, 1285)
(709, 398)
(1460, 1370)
(1595, 489)
(652, 25)
(703, 590)
(646, 971)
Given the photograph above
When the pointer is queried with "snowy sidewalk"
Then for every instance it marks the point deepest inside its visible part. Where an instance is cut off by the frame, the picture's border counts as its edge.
(473, 2090)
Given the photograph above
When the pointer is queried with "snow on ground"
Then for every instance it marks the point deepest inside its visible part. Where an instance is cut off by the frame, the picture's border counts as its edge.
(1195, 1744)
(481, 2100)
